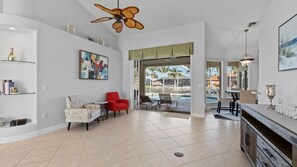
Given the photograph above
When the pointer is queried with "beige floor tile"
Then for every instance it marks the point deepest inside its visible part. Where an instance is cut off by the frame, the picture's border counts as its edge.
(183, 140)
(217, 161)
(138, 138)
(121, 152)
(11, 159)
(194, 164)
(218, 146)
(35, 164)
(155, 160)
(94, 159)
(155, 135)
(200, 151)
(237, 157)
(127, 163)
(166, 144)
(172, 132)
(69, 161)
(150, 128)
(177, 161)
(3, 147)
(142, 138)
(145, 148)
(39, 156)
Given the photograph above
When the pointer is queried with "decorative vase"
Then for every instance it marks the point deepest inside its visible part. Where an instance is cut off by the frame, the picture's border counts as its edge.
(100, 41)
(270, 92)
(2, 121)
(11, 56)
(71, 28)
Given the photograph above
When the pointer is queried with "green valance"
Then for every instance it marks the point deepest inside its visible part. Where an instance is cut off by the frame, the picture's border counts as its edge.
(168, 51)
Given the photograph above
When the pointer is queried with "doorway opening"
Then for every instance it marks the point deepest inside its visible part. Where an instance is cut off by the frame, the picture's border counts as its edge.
(164, 76)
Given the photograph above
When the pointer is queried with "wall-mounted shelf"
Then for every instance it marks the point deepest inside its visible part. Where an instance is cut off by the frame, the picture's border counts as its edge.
(17, 62)
(16, 94)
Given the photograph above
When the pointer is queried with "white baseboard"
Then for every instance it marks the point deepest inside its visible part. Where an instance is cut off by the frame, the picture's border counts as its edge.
(32, 134)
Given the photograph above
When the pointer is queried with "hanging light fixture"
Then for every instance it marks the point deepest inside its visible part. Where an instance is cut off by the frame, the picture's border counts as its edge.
(247, 59)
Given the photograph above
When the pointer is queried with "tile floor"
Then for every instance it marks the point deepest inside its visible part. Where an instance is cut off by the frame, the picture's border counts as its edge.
(140, 139)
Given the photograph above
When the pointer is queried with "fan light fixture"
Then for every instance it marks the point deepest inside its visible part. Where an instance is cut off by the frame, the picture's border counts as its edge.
(247, 59)
(126, 15)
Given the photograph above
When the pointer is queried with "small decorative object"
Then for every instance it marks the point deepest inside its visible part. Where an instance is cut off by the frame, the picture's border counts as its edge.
(2, 121)
(93, 66)
(18, 122)
(270, 92)
(90, 39)
(100, 40)
(11, 56)
(287, 110)
(71, 28)
(287, 42)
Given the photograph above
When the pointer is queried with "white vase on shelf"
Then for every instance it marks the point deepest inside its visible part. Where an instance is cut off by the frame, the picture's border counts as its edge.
(100, 40)
(71, 28)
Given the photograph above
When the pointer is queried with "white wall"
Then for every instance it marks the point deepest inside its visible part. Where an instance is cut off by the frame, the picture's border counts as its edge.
(1, 6)
(275, 15)
(188, 33)
(59, 13)
(58, 71)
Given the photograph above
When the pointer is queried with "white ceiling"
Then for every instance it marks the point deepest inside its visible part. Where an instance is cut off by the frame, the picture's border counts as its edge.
(225, 19)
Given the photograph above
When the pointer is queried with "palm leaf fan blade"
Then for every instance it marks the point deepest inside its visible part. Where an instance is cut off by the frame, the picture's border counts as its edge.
(102, 19)
(128, 14)
(138, 25)
(130, 23)
(105, 9)
(132, 9)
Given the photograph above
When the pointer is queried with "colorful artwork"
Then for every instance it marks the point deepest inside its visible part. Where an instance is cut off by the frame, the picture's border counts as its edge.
(287, 45)
(93, 66)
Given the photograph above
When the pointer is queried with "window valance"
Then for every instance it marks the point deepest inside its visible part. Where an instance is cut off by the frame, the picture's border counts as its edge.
(178, 50)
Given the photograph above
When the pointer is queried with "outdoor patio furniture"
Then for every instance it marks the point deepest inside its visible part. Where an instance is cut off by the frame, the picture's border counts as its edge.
(147, 102)
(165, 99)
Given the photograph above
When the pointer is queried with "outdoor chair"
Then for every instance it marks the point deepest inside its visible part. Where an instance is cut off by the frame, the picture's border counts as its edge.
(147, 102)
(165, 99)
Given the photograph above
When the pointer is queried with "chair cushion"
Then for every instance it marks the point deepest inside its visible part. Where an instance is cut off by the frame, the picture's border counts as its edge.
(121, 106)
(74, 102)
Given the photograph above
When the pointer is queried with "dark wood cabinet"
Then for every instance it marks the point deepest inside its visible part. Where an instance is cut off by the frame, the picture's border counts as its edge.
(268, 138)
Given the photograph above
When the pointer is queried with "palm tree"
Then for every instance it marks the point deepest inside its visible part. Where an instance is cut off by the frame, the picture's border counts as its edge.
(175, 73)
(163, 70)
(152, 74)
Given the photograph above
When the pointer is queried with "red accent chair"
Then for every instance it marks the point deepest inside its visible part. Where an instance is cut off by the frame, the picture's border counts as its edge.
(116, 104)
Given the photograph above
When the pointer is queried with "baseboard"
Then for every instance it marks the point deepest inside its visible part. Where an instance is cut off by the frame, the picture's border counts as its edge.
(198, 115)
(32, 134)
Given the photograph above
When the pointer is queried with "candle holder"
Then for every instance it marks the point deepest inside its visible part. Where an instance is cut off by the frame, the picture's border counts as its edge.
(270, 92)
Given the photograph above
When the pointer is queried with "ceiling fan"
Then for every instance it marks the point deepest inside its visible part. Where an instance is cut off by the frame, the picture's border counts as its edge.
(125, 15)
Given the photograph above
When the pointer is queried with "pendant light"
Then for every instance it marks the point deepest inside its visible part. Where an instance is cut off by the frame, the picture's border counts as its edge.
(247, 59)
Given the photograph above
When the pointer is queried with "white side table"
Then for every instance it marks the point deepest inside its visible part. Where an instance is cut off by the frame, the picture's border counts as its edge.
(103, 105)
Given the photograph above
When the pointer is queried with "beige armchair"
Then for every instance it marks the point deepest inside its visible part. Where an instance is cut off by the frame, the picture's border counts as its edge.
(77, 112)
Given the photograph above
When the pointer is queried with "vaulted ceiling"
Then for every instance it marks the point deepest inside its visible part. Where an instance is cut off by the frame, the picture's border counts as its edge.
(225, 19)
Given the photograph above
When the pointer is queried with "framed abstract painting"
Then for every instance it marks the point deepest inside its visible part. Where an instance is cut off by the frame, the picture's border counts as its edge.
(93, 66)
(287, 45)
